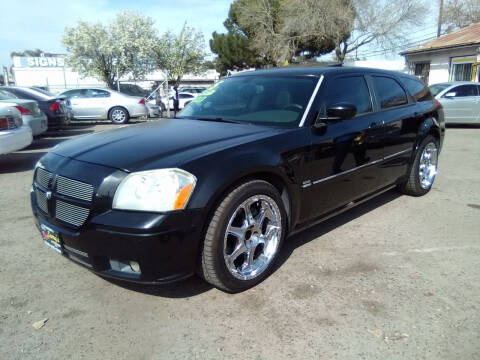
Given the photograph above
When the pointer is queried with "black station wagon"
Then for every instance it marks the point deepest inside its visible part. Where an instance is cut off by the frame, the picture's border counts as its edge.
(257, 157)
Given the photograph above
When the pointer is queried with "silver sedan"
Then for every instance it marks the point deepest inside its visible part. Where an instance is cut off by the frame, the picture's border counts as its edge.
(31, 114)
(104, 104)
(460, 100)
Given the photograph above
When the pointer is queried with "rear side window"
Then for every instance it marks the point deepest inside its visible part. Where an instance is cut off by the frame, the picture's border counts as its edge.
(464, 90)
(352, 90)
(417, 89)
(389, 92)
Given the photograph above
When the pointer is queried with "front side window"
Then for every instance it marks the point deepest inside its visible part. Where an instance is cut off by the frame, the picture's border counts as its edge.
(349, 89)
(389, 92)
(463, 91)
(265, 99)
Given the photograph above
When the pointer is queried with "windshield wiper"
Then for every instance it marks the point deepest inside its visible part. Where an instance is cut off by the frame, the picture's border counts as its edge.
(218, 119)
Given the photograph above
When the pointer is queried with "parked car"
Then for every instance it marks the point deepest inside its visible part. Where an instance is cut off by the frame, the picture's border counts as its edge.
(183, 100)
(14, 135)
(54, 107)
(192, 90)
(105, 104)
(32, 116)
(460, 100)
(260, 156)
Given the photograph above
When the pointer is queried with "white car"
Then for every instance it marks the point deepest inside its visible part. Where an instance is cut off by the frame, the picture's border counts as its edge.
(13, 134)
(104, 104)
(31, 113)
(183, 100)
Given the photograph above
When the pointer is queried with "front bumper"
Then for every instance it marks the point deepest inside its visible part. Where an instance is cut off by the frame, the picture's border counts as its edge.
(168, 252)
(164, 245)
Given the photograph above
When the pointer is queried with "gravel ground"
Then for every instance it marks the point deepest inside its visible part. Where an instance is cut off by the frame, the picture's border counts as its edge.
(395, 278)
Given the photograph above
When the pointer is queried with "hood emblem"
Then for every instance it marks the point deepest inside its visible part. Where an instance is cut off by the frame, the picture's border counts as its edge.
(48, 195)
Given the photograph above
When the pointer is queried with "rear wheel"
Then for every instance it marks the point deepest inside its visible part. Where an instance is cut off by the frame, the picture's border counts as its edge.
(244, 237)
(424, 168)
(118, 115)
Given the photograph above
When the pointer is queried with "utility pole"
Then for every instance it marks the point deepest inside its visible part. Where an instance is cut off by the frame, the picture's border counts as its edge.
(440, 18)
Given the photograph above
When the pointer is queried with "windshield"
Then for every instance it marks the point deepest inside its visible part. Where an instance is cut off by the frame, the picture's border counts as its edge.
(438, 88)
(270, 100)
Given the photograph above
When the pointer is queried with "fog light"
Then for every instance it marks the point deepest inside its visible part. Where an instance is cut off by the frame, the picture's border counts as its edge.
(135, 266)
(125, 266)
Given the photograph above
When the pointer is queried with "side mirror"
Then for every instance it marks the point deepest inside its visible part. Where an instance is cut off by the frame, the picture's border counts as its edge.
(341, 111)
(450, 94)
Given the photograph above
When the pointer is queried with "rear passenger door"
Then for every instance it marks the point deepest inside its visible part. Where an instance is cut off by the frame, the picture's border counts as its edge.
(345, 157)
(401, 118)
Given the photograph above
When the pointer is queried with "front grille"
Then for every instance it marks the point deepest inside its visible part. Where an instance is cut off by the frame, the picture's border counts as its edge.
(44, 178)
(71, 214)
(70, 209)
(41, 200)
(74, 188)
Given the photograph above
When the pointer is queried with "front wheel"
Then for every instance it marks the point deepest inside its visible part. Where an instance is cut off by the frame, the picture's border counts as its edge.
(244, 237)
(424, 168)
(118, 115)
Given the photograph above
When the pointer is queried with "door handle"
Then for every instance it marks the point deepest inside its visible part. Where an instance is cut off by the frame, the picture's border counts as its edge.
(372, 125)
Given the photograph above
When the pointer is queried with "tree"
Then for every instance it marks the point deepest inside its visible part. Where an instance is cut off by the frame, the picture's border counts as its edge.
(33, 53)
(124, 47)
(180, 54)
(460, 13)
(381, 22)
(281, 29)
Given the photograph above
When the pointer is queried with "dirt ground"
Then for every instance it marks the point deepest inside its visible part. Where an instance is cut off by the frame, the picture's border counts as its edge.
(395, 278)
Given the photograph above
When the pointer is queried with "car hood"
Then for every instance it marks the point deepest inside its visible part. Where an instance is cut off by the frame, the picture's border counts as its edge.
(163, 143)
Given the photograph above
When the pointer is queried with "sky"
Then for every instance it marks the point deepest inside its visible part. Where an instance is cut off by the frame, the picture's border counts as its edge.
(40, 24)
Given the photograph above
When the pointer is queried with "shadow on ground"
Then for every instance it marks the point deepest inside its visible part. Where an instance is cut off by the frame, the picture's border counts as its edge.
(195, 285)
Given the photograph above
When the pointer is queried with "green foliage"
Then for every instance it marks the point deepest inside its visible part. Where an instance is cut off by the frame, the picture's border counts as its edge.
(233, 52)
(180, 54)
(122, 48)
(273, 32)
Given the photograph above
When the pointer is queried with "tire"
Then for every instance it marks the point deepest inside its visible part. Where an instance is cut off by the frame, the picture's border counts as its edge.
(424, 168)
(239, 253)
(118, 115)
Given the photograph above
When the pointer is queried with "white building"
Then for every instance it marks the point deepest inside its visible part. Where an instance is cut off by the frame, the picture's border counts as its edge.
(51, 73)
(452, 57)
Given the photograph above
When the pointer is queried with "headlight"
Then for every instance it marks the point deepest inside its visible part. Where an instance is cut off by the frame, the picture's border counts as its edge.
(155, 190)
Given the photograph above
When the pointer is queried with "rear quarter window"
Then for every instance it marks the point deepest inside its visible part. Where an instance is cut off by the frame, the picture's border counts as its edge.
(418, 90)
(389, 92)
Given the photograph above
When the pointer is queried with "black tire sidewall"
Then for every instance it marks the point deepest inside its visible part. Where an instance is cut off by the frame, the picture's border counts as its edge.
(127, 116)
(256, 188)
(416, 165)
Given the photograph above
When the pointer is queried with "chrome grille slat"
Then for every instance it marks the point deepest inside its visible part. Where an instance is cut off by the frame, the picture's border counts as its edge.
(74, 188)
(71, 214)
(44, 178)
(41, 201)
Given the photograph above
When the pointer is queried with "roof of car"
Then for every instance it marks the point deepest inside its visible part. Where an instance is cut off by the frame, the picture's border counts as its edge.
(451, 83)
(313, 71)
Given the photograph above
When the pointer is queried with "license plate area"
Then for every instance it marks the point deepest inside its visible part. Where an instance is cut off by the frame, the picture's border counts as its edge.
(51, 238)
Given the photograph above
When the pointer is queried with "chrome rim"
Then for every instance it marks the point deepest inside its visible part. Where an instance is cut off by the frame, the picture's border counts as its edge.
(428, 165)
(252, 237)
(118, 115)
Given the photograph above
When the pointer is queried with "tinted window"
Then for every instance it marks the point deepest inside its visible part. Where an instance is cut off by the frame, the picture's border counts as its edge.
(96, 93)
(389, 92)
(417, 89)
(32, 94)
(463, 90)
(352, 90)
(72, 93)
